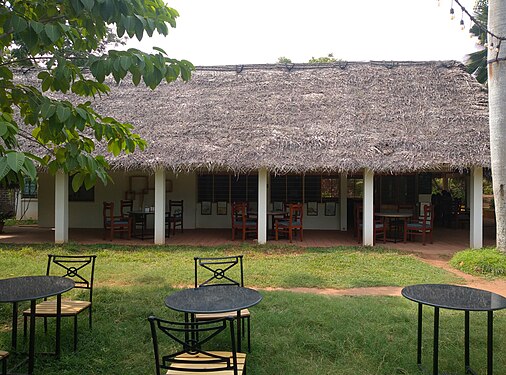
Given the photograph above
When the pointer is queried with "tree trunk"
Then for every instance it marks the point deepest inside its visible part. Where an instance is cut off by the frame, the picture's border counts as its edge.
(497, 113)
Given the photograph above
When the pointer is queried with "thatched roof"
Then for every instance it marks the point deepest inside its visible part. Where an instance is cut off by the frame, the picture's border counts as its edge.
(389, 117)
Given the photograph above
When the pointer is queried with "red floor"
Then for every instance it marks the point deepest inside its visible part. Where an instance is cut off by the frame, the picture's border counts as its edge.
(446, 241)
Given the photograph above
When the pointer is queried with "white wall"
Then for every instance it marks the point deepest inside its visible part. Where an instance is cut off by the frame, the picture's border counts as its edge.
(184, 186)
(27, 209)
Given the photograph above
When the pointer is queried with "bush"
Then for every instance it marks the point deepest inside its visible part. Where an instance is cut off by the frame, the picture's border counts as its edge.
(488, 262)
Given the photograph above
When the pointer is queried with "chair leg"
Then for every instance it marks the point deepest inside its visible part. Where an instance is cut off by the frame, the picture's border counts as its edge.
(45, 325)
(75, 332)
(4, 366)
(301, 231)
(290, 234)
(25, 325)
(90, 317)
(249, 335)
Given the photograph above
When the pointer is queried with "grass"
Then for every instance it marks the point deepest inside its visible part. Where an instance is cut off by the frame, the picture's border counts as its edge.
(292, 333)
(488, 262)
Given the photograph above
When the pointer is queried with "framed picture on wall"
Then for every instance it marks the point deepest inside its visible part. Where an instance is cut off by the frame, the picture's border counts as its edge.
(312, 208)
(330, 208)
(221, 208)
(205, 208)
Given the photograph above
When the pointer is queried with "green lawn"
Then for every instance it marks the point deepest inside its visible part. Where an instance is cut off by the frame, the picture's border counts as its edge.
(292, 333)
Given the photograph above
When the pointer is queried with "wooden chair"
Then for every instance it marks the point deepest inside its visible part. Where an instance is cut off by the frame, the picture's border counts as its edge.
(222, 271)
(378, 230)
(190, 357)
(241, 221)
(422, 226)
(291, 223)
(3, 359)
(115, 224)
(174, 217)
(80, 268)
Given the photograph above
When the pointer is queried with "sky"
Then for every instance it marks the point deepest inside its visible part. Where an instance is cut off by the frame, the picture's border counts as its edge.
(222, 32)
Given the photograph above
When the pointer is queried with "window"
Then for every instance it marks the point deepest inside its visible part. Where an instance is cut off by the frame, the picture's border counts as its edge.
(330, 188)
(286, 188)
(29, 189)
(355, 188)
(318, 188)
(226, 188)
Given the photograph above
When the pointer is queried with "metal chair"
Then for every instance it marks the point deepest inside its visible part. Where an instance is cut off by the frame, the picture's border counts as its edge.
(80, 268)
(222, 271)
(174, 217)
(3, 359)
(192, 358)
(113, 224)
(291, 223)
(241, 221)
(423, 226)
(137, 221)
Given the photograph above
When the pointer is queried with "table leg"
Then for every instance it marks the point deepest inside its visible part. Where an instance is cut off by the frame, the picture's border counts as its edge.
(490, 343)
(14, 339)
(31, 339)
(466, 341)
(435, 355)
(239, 330)
(419, 346)
(58, 325)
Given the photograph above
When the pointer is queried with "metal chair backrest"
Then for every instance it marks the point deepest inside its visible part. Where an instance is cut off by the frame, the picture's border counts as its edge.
(176, 208)
(222, 271)
(428, 216)
(126, 206)
(191, 338)
(80, 268)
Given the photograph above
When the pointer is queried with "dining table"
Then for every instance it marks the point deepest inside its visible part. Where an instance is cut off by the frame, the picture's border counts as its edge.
(141, 216)
(396, 217)
(214, 299)
(31, 288)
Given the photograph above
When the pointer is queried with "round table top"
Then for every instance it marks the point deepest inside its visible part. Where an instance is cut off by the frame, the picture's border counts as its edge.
(394, 214)
(27, 288)
(213, 299)
(454, 297)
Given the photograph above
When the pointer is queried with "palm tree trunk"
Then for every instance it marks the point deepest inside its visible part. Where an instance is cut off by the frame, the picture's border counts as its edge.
(497, 112)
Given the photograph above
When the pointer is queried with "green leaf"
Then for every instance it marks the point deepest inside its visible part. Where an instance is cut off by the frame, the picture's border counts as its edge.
(15, 160)
(62, 112)
(30, 168)
(77, 181)
(52, 32)
(159, 50)
(4, 167)
(18, 24)
(88, 4)
(4, 126)
(37, 26)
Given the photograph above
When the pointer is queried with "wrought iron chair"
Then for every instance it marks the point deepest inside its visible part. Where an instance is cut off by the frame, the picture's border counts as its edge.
(80, 268)
(174, 217)
(222, 271)
(423, 226)
(3, 359)
(192, 358)
(137, 221)
(291, 223)
(241, 221)
(379, 225)
(113, 224)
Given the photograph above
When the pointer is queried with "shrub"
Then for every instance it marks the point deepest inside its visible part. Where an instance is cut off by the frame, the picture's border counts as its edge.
(488, 262)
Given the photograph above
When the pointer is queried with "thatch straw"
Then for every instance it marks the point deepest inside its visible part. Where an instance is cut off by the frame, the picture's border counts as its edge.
(389, 117)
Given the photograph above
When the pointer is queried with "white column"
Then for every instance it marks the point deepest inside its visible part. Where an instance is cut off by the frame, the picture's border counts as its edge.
(343, 191)
(476, 219)
(159, 207)
(262, 206)
(368, 219)
(61, 207)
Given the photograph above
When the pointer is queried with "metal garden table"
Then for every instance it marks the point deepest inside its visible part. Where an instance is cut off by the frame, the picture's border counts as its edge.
(455, 297)
(214, 299)
(31, 288)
